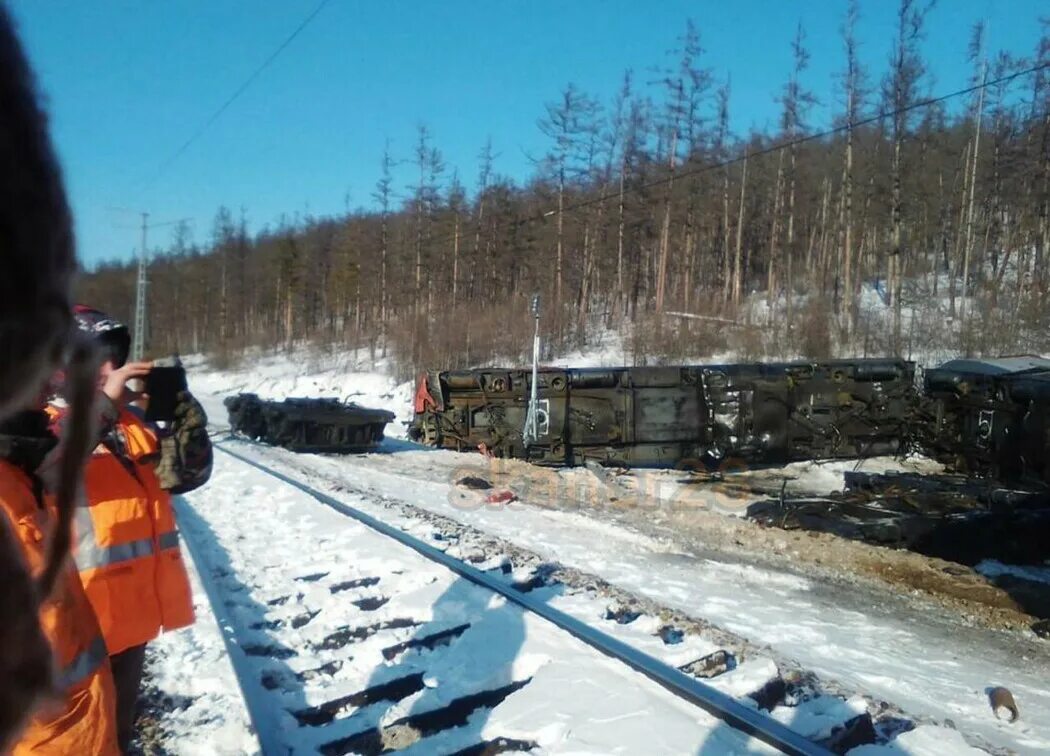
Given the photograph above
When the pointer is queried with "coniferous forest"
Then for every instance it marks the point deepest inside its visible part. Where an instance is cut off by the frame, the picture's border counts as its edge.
(913, 224)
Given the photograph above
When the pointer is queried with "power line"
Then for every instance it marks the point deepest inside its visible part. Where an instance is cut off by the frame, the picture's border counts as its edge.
(233, 97)
(544, 214)
(794, 142)
(139, 213)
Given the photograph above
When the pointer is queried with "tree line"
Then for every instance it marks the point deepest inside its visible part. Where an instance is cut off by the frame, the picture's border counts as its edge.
(922, 228)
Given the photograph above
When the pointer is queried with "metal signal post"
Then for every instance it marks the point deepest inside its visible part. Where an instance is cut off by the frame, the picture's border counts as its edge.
(531, 431)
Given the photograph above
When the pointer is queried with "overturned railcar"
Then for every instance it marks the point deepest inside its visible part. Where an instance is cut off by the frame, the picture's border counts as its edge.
(961, 518)
(989, 417)
(704, 414)
(308, 425)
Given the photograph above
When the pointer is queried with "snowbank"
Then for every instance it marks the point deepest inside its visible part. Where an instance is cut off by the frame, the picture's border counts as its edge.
(304, 372)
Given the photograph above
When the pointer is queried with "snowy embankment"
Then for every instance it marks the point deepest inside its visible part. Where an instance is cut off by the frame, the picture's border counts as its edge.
(933, 669)
(349, 377)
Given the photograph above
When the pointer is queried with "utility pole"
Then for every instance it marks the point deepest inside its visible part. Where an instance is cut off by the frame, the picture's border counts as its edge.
(138, 345)
(138, 341)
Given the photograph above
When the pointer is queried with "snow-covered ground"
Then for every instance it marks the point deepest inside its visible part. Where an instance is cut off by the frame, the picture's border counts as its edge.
(192, 667)
(918, 660)
(934, 669)
(320, 609)
(305, 372)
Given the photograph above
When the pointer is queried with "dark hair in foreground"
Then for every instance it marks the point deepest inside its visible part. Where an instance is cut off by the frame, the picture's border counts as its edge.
(36, 266)
(36, 233)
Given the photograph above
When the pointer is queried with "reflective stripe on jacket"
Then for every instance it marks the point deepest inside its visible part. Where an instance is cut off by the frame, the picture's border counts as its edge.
(127, 544)
(84, 721)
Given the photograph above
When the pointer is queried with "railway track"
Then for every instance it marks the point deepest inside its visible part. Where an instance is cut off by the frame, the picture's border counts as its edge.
(295, 644)
(734, 713)
(338, 663)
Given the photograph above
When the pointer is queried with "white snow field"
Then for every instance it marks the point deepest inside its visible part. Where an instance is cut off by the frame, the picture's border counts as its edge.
(321, 608)
(265, 535)
(929, 666)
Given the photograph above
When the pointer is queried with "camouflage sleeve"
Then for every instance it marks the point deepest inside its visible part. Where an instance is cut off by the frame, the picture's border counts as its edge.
(185, 453)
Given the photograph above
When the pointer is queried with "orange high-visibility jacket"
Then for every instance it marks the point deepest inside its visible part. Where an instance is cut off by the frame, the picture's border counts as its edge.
(127, 544)
(85, 719)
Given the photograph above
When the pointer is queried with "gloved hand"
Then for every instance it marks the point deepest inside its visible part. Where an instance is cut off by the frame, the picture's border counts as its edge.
(186, 455)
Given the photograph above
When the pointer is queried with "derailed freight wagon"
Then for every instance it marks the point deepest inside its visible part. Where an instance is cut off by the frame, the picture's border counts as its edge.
(768, 413)
(989, 417)
(988, 422)
(308, 425)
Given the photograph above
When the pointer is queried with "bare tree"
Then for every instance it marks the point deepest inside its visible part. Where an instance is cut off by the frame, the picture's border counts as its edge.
(900, 90)
(795, 101)
(564, 123)
(486, 159)
(977, 58)
(853, 79)
(686, 87)
(382, 196)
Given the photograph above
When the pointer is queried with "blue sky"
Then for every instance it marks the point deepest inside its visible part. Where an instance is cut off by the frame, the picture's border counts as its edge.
(128, 82)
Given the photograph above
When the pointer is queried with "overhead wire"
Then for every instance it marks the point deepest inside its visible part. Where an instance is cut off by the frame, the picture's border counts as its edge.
(771, 149)
(635, 188)
(207, 123)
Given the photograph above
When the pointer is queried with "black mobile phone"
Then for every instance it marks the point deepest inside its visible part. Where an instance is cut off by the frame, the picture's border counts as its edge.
(163, 385)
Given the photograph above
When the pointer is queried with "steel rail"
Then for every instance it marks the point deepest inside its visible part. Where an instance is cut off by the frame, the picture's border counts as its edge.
(243, 671)
(724, 707)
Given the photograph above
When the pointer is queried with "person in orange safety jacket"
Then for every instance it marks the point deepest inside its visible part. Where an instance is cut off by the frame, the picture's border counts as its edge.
(81, 719)
(126, 541)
